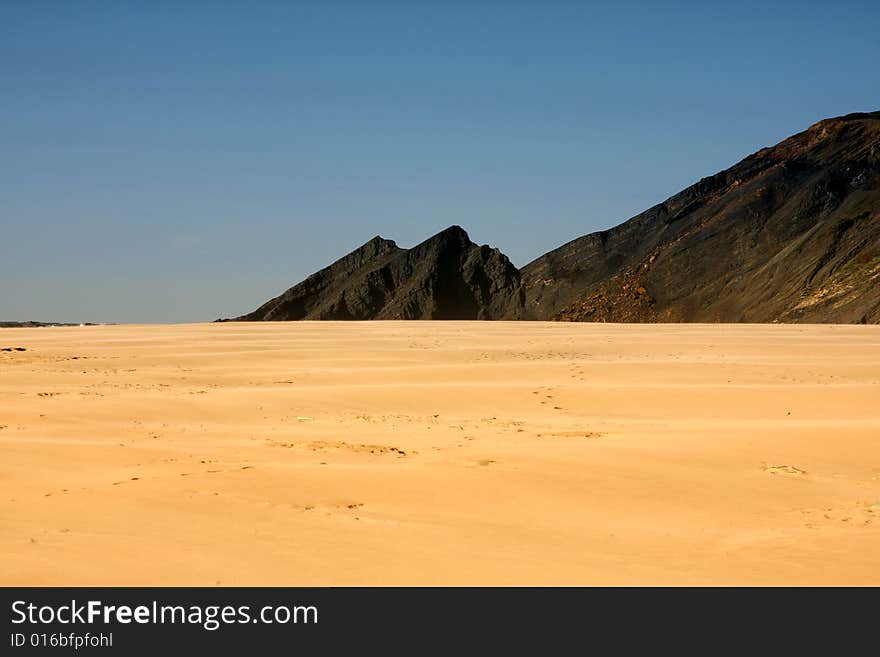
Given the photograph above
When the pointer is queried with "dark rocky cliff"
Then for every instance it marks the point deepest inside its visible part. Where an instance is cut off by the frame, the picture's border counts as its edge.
(444, 277)
(790, 234)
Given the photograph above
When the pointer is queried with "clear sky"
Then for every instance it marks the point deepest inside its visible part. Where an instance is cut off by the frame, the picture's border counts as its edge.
(180, 161)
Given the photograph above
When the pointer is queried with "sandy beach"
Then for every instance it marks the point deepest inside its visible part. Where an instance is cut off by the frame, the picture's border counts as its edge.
(440, 453)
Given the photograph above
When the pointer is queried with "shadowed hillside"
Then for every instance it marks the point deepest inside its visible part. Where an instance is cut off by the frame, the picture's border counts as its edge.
(790, 234)
(444, 277)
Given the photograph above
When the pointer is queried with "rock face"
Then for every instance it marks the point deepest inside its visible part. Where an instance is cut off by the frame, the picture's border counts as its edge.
(444, 277)
(790, 234)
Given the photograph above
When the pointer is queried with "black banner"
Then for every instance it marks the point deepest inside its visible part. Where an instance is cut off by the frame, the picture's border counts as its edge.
(416, 620)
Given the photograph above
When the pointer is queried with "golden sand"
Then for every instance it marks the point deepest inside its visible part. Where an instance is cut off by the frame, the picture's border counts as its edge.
(440, 453)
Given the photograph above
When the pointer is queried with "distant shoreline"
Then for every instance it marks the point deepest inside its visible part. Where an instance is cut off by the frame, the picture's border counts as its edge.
(32, 324)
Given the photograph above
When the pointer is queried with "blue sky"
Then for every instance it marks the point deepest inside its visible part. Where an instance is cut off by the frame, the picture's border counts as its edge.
(181, 161)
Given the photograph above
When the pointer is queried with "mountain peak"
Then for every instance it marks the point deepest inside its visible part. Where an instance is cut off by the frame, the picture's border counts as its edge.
(454, 231)
(445, 277)
(379, 240)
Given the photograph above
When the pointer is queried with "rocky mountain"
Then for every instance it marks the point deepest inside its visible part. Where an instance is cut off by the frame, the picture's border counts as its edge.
(445, 277)
(790, 234)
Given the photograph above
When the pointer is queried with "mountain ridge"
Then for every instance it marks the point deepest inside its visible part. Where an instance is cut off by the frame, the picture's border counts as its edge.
(444, 277)
(791, 233)
(817, 183)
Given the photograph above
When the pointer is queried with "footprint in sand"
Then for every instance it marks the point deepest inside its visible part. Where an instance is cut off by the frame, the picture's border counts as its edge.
(784, 470)
(861, 514)
(571, 434)
(116, 483)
